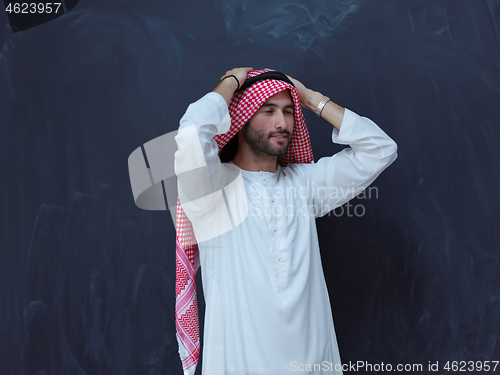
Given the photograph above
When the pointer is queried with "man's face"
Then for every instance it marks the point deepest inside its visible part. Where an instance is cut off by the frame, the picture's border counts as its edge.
(270, 129)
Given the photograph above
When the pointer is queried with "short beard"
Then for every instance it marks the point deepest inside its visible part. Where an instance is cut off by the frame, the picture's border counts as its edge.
(260, 144)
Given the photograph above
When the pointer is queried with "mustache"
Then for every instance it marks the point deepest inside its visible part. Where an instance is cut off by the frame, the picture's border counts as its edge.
(280, 133)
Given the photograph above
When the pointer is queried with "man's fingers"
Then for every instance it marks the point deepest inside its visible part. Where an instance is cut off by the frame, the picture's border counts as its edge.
(240, 73)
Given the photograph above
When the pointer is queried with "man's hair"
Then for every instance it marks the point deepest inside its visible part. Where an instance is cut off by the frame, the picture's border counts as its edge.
(229, 150)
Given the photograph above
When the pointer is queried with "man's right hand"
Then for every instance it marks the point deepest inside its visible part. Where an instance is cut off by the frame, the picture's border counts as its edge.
(228, 86)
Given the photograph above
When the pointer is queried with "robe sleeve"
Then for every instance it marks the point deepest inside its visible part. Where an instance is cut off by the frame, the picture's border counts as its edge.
(335, 180)
(204, 183)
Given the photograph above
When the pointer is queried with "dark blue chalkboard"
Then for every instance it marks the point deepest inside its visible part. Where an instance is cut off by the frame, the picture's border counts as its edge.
(87, 278)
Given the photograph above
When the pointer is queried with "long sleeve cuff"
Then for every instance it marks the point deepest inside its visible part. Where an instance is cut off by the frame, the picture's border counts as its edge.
(344, 135)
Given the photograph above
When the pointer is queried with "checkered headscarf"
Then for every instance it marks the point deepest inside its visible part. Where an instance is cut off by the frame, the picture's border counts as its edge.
(242, 107)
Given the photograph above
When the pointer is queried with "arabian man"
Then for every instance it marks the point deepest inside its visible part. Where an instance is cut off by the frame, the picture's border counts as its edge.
(249, 194)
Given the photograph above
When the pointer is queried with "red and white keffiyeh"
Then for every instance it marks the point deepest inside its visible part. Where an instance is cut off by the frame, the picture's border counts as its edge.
(242, 107)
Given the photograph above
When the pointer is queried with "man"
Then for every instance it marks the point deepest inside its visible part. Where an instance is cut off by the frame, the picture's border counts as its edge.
(267, 305)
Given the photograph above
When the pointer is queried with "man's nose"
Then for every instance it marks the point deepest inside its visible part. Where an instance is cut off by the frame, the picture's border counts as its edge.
(279, 121)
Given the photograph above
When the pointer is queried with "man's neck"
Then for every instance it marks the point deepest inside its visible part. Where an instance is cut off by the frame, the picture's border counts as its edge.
(255, 163)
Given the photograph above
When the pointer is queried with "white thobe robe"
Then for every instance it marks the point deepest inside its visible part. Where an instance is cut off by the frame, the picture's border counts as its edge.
(267, 304)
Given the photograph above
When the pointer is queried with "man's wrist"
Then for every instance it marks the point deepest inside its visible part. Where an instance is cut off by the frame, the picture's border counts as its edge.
(312, 100)
(331, 112)
(229, 82)
(232, 76)
(226, 88)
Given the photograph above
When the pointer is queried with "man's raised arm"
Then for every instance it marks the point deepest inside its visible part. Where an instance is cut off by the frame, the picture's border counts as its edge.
(202, 178)
(311, 100)
(337, 179)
